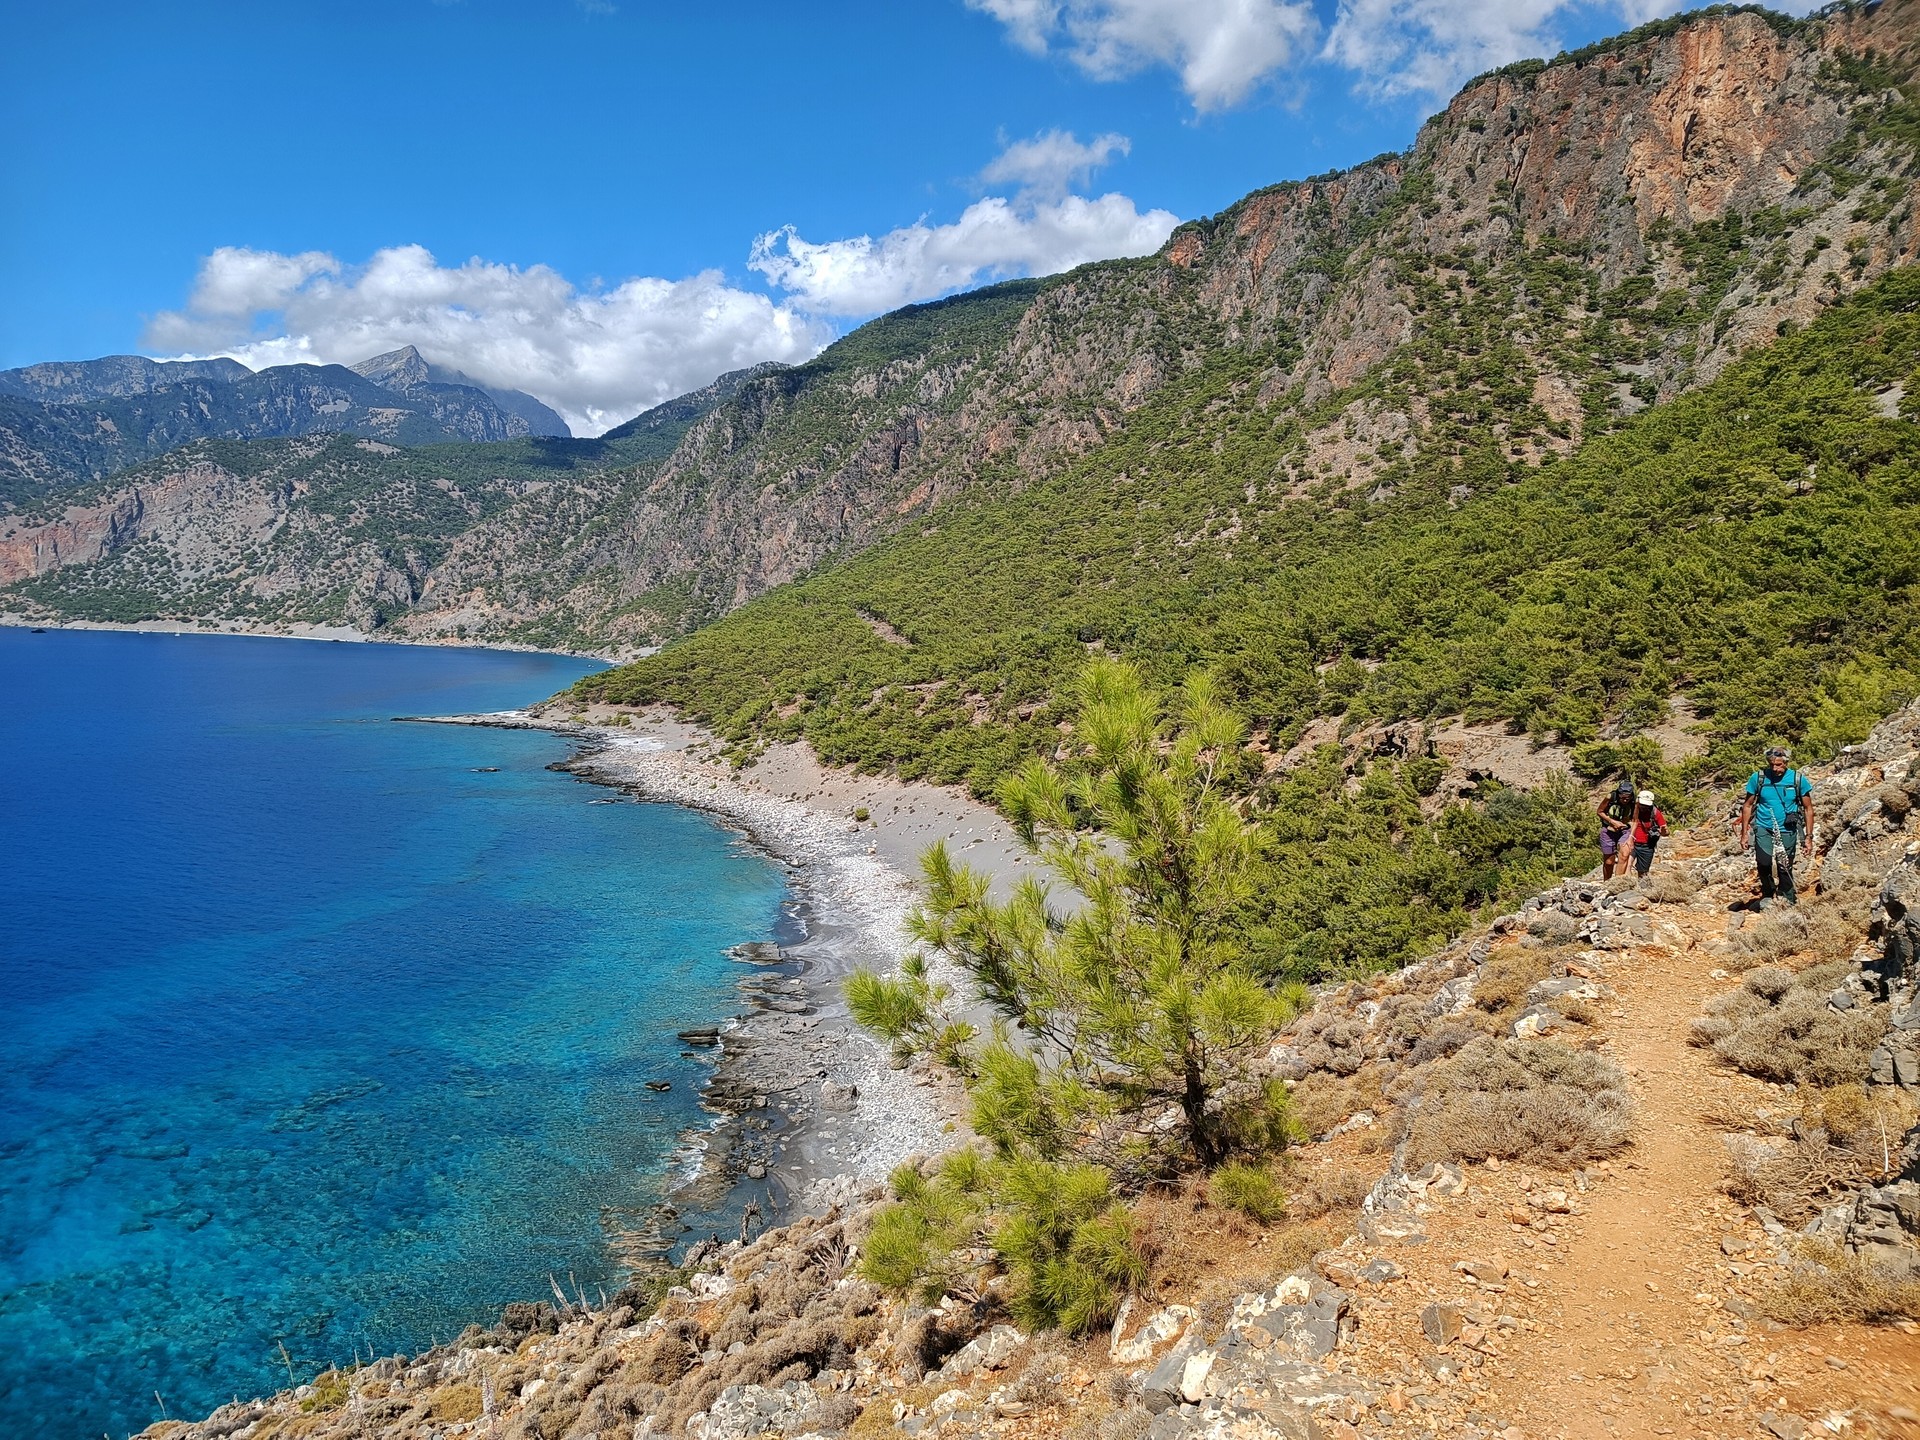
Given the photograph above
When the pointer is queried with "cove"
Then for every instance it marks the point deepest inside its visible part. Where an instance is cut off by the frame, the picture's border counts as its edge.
(322, 1031)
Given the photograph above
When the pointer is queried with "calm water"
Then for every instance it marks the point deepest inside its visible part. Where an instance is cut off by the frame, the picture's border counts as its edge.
(314, 1033)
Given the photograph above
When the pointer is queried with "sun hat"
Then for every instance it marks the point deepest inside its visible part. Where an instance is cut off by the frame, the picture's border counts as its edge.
(1646, 797)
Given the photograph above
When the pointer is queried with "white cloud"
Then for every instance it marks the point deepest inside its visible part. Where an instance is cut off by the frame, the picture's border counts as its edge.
(1221, 49)
(1429, 47)
(1049, 164)
(597, 356)
(994, 238)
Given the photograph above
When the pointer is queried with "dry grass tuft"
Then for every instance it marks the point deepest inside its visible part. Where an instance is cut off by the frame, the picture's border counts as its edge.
(1832, 1286)
(1500, 990)
(1337, 1187)
(1528, 1100)
(455, 1403)
(1324, 1101)
(1670, 886)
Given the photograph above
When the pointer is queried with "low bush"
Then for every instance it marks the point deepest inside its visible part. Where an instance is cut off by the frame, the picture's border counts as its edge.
(455, 1403)
(1339, 1187)
(1059, 1229)
(1321, 1102)
(1500, 990)
(1528, 1100)
(1253, 1190)
(1829, 1285)
(330, 1392)
(1671, 886)
(1778, 1026)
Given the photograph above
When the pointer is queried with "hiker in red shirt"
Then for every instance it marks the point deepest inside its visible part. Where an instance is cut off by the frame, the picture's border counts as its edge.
(1649, 828)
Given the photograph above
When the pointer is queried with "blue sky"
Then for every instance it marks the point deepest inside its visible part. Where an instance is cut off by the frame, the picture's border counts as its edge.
(567, 194)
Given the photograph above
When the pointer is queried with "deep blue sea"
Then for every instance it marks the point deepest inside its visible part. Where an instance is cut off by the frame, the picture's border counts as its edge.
(317, 1033)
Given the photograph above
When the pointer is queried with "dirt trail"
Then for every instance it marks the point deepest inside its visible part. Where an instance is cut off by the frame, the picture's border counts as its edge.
(1641, 1333)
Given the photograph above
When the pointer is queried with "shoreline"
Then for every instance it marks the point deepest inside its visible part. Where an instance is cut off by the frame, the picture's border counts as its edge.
(810, 1110)
(298, 630)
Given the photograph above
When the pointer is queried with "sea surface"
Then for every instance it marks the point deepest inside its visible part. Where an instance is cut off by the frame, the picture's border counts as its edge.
(321, 1031)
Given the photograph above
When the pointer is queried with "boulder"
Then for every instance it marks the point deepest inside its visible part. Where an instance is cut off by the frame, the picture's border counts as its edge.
(1442, 1323)
(1555, 927)
(1162, 1327)
(743, 1410)
(990, 1351)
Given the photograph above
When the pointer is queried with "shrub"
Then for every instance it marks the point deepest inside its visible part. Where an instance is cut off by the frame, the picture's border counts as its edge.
(911, 1244)
(330, 1392)
(1829, 1285)
(1253, 1190)
(1338, 1188)
(1323, 1101)
(1671, 886)
(1060, 1230)
(1525, 1100)
(1068, 1243)
(455, 1403)
(1774, 936)
(1500, 989)
(1803, 1039)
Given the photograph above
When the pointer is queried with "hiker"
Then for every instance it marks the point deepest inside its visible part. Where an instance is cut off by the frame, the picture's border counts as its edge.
(1616, 818)
(1778, 808)
(1649, 828)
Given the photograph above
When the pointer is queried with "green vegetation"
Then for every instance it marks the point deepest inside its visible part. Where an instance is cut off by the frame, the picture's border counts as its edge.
(1136, 1014)
(1740, 545)
(1143, 997)
(1254, 1190)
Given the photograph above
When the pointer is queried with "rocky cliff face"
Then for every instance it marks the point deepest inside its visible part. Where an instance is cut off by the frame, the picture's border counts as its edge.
(1563, 245)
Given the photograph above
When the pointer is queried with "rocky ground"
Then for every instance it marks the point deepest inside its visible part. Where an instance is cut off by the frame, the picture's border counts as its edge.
(1634, 1160)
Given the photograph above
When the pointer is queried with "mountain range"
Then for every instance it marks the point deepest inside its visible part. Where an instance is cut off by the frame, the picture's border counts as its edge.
(1565, 246)
(68, 423)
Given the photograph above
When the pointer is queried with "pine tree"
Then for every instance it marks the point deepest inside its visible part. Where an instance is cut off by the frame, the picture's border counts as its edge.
(1127, 1013)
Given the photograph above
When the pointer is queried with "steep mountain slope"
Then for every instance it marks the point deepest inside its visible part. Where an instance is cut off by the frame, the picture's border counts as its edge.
(123, 413)
(324, 528)
(1563, 245)
(74, 382)
(1754, 545)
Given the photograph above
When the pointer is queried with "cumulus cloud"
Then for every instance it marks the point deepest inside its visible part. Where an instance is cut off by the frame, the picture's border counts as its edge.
(1221, 49)
(1429, 47)
(598, 356)
(993, 239)
(1052, 162)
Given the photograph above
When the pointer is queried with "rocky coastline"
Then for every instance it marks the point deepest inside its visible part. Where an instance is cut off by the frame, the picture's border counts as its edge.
(808, 1110)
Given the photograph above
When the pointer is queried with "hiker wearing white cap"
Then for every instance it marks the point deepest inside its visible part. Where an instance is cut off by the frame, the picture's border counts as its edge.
(1649, 828)
(1778, 810)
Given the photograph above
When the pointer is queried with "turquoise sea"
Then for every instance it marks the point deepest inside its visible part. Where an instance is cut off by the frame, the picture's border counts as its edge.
(321, 1031)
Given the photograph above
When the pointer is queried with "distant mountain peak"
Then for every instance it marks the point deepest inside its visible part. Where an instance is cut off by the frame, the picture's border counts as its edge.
(400, 369)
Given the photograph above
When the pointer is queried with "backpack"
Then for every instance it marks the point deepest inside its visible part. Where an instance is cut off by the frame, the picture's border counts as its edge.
(1790, 788)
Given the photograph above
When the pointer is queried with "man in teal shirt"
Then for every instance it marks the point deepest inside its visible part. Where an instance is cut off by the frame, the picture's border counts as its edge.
(1777, 811)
